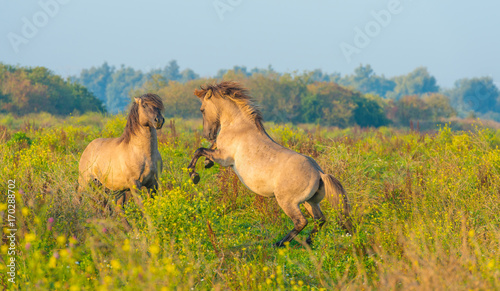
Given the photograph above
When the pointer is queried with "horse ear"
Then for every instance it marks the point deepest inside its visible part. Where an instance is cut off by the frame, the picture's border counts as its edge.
(203, 94)
(138, 100)
(199, 93)
(208, 95)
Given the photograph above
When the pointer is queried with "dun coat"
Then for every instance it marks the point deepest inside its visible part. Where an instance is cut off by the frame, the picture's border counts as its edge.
(234, 124)
(125, 164)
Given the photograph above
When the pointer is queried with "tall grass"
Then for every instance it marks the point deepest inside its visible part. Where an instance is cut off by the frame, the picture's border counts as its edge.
(426, 207)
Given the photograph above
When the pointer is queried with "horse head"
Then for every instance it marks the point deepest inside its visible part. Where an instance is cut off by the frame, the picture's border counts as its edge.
(149, 107)
(211, 117)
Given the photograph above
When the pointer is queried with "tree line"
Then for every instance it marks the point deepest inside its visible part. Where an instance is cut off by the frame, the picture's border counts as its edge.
(362, 98)
(112, 85)
(27, 90)
(469, 97)
(411, 96)
(301, 98)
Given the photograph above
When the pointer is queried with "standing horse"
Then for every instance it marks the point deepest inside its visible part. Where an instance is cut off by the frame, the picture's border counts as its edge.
(265, 167)
(125, 164)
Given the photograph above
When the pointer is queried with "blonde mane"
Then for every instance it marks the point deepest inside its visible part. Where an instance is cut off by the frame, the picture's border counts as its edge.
(235, 92)
(132, 125)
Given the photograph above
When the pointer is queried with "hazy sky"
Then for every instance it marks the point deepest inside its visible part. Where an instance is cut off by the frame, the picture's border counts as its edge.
(454, 39)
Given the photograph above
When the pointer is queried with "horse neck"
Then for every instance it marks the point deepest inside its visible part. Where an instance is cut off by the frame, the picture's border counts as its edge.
(146, 138)
(233, 117)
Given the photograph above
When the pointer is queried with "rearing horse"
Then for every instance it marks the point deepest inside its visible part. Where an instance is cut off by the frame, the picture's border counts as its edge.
(265, 167)
(125, 164)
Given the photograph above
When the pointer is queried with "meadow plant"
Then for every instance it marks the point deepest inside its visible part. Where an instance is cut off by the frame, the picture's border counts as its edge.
(425, 206)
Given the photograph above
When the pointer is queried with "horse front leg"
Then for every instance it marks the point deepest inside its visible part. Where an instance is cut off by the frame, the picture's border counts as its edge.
(208, 162)
(136, 195)
(211, 154)
(119, 208)
(135, 188)
(153, 189)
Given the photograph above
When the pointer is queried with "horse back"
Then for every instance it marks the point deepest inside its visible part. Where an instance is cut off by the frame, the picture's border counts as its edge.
(266, 167)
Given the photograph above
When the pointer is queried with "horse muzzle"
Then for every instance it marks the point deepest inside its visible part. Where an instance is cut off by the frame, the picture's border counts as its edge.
(211, 136)
(159, 123)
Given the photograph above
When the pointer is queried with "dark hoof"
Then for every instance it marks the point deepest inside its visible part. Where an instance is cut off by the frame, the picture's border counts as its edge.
(195, 177)
(309, 241)
(209, 164)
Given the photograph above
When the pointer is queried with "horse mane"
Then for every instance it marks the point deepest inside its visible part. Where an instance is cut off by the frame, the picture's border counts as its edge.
(238, 94)
(133, 124)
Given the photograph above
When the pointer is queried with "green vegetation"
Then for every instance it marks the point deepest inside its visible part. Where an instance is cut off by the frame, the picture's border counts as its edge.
(425, 205)
(478, 96)
(362, 99)
(287, 98)
(112, 85)
(27, 90)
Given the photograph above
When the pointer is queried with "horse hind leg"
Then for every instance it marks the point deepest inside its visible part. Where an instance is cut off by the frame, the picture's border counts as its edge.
(314, 209)
(299, 221)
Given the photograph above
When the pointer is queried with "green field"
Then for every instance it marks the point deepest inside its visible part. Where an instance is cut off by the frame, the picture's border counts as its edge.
(426, 207)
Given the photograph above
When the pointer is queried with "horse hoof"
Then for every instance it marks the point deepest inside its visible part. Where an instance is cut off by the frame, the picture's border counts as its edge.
(195, 177)
(209, 164)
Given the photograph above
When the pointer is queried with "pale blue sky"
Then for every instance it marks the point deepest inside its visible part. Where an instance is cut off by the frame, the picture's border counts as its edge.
(454, 39)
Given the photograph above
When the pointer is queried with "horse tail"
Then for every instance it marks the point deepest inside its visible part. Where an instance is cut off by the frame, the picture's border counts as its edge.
(336, 196)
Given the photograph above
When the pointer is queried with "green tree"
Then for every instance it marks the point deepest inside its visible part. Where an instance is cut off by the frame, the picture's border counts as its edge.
(152, 85)
(123, 80)
(112, 85)
(411, 108)
(57, 90)
(318, 76)
(417, 82)
(170, 72)
(26, 90)
(188, 75)
(328, 104)
(370, 110)
(179, 99)
(96, 79)
(439, 106)
(366, 81)
(279, 96)
(85, 100)
(24, 96)
(265, 90)
(476, 94)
